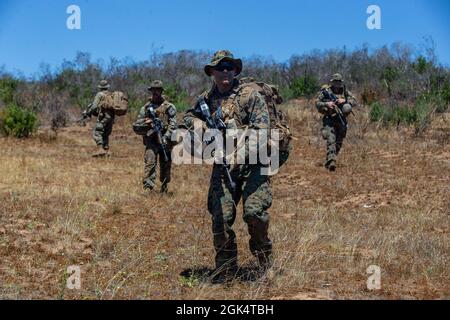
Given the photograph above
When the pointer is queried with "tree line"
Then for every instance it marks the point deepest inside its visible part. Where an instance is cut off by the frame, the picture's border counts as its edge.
(397, 82)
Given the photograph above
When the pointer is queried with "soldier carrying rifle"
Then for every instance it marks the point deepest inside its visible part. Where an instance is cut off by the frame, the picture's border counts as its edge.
(106, 106)
(335, 102)
(239, 106)
(156, 122)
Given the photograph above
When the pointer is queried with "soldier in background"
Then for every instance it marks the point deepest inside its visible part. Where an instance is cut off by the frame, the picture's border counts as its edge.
(335, 102)
(105, 120)
(167, 113)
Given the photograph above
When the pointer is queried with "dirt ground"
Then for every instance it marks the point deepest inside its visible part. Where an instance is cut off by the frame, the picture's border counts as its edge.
(387, 204)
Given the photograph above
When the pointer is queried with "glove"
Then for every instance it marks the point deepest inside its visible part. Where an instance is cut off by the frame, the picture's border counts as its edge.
(149, 122)
(165, 140)
(331, 105)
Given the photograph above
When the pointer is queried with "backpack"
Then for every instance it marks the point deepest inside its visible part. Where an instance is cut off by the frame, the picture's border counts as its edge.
(278, 119)
(116, 101)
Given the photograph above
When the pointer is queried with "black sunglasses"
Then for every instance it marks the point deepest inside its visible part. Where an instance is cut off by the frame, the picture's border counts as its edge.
(225, 65)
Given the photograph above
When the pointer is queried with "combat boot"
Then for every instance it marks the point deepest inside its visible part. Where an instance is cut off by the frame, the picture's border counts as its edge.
(149, 185)
(108, 152)
(164, 188)
(332, 166)
(100, 152)
(265, 262)
(224, 274)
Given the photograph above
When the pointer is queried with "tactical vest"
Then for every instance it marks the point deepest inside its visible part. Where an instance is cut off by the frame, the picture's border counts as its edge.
(233, 108)
(228, 105)
(161, 111)
(343, 95)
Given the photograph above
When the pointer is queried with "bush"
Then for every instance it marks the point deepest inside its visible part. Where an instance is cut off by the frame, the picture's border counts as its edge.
(399, 114)
(377, 111)
(445, 94)
(18, 122)
(2, 122)
(177, 97)
(406, 115)
(135, 104)
(287, 93)
(8, 87)
(437, 99)
(422, 65)
(389, 74)
(306, 86)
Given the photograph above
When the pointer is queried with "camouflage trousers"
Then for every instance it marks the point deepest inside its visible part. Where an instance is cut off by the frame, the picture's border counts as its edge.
(152, 153)
(254, 189)
(103, 129)
(333, 132)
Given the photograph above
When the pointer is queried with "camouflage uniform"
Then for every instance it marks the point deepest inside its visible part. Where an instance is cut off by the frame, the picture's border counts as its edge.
(333, 131)
(248, 109)
(105, 118)
(168, 114)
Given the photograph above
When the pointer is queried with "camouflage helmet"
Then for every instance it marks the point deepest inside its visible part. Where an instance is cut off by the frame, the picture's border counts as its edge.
(104, 85)
(223, 55)
(156, 84)
(337, 77)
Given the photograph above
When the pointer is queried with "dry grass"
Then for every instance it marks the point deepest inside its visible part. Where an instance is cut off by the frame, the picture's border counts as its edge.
(388, 204)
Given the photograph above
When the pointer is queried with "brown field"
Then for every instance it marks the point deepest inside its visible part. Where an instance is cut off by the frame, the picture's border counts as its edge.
(388, 204)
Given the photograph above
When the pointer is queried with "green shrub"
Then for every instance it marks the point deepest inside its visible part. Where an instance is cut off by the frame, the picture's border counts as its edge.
(287, 93)
(399, 114)
(18, 122)
(389, 74)
(306, 86)
(377, 111)
(135, 104)
(421, 65)
(8, 87)
(438, 99)
(177, 97)
(445, 94)
(405, 115)
(2, 122)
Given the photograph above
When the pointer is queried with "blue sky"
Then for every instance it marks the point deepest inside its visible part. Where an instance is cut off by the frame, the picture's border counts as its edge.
(34, 31)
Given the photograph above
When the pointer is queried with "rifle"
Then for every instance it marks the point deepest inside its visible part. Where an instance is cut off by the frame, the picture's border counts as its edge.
(218, 124)
(84, 116)
(331, 96)
(158, 127)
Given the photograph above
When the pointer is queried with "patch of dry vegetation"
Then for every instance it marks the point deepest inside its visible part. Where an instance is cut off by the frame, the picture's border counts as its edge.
(386, 205)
